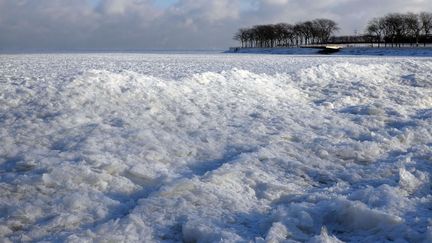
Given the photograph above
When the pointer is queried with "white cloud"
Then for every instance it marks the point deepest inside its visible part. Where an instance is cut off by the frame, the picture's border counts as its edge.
(276, 2)
(206, 11)
(185, 24)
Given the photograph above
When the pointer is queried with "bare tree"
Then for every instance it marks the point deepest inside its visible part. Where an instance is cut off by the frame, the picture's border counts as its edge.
(395, 28)
(413, 27)
(242, 36)
(400, 29)
(298, 34)
(252, 37)
(324, 28)
(307, 30)
(376, 29)
(426, 24)
(281, 32)
(288, 34)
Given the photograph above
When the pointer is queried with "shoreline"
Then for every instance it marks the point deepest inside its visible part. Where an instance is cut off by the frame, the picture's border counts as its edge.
(354, 51)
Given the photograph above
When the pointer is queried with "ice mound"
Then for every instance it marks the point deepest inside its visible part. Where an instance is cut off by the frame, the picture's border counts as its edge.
(351, 216)
(195, 148)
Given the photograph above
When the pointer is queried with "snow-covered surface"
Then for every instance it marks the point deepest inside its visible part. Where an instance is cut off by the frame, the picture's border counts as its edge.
(208, 148)
(422, 52)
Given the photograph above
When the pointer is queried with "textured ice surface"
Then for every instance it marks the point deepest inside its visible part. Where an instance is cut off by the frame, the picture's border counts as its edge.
(209, 148)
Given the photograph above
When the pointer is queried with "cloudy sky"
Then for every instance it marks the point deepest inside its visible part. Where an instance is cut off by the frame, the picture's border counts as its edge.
(174, 24)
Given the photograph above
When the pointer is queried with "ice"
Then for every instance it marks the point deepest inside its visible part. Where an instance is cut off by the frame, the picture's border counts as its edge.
(324, 237)
(215, 147)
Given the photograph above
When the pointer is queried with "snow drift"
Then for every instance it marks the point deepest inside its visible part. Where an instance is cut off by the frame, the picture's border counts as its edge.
(195, 148)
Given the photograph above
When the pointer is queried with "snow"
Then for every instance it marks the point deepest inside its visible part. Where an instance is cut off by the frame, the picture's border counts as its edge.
(215, 147)
(346, 51)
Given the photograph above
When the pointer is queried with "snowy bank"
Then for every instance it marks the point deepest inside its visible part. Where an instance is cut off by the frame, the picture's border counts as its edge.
(425, 52)
(210, 148)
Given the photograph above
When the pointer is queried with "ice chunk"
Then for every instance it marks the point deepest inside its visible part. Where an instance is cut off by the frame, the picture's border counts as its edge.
(356, 216)
(194, 231)
(408, 181)
(324, 237)
(277, 233)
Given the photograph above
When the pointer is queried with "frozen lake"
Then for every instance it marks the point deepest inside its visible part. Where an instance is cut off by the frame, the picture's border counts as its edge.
(215, 147)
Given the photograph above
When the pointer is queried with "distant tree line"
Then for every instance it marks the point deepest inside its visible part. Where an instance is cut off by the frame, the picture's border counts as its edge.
(395, 30)
(398, 29)
(277, 35)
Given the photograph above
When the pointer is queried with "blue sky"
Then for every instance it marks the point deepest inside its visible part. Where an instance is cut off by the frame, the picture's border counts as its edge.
(181, 24)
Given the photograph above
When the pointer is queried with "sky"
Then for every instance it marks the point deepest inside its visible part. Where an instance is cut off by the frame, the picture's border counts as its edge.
(170, 24)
